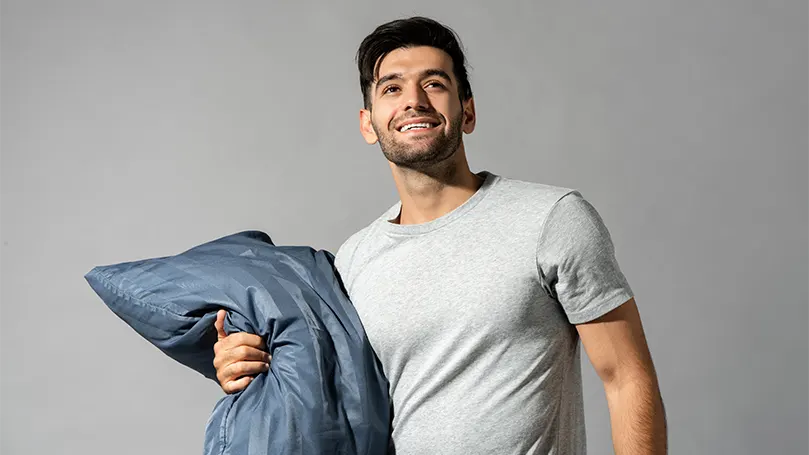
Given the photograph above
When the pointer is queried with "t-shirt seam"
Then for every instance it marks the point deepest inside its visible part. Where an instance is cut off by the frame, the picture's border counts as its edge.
(594, 312)
(605, 306)
(543, 225)
(349, 280)
(495, 181)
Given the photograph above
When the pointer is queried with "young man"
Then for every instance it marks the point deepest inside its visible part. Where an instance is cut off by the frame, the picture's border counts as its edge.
(475, 289)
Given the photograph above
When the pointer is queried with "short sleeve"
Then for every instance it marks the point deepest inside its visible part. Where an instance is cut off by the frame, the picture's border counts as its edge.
(576, 261)
(342, 259)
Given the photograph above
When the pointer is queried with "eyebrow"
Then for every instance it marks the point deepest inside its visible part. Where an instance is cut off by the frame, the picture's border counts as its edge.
(428, 72)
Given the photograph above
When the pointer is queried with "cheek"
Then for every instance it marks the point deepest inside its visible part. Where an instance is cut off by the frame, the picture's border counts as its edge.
(449, 111)
(379, 124)
(383, 120)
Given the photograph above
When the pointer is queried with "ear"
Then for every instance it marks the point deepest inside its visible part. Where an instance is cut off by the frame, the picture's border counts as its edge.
(365, 127)
(469, 117)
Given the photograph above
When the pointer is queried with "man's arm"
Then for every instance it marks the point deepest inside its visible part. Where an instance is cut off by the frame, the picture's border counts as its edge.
(616, 346)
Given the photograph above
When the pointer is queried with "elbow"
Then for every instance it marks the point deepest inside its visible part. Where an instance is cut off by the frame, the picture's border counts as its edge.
(634, 376)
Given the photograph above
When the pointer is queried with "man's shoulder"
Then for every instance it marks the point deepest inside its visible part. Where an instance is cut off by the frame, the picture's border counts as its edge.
(531, 189)
(350, 245)
(525, 197)
(348, 250)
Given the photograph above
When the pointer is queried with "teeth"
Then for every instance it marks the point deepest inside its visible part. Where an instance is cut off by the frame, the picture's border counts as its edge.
(415, 125)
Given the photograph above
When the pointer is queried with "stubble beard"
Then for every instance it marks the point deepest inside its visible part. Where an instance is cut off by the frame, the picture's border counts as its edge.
(427, 152)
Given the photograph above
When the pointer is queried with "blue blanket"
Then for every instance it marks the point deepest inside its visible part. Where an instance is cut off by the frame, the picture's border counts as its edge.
(325, 392)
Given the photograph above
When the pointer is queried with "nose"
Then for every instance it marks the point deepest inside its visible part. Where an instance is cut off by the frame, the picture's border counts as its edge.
(416, 98)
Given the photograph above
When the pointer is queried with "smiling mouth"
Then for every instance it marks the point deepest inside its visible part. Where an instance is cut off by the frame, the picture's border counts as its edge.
(415, 127)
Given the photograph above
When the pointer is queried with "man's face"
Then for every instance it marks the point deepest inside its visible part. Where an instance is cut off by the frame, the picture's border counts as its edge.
(416, 114)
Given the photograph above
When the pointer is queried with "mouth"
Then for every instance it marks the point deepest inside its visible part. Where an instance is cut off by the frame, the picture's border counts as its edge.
(419, 127)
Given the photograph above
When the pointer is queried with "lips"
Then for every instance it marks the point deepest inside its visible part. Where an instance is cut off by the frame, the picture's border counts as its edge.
(417, 124)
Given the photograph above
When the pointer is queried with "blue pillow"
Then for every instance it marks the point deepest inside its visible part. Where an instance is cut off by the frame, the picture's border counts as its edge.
(325, 392)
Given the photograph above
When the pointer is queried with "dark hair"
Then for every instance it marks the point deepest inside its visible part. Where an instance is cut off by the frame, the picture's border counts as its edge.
(411, 32)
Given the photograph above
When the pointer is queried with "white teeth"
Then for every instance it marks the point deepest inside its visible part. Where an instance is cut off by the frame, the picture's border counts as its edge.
(414, 125)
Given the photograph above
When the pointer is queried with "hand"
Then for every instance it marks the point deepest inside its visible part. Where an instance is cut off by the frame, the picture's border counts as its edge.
(238, 357)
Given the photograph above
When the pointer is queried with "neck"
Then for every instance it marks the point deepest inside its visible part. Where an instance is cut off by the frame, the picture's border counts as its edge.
(427, 194)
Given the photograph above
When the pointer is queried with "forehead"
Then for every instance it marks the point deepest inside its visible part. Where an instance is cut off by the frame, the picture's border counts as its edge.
(414, 60)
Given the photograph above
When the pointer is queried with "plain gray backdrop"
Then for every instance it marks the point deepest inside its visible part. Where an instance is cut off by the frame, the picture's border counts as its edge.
(142, 128)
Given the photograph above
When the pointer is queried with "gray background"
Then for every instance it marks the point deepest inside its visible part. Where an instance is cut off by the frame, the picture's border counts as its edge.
(138, 129)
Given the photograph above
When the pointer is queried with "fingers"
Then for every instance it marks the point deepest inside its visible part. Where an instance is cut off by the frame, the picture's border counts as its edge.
(237, 376)
(240, 339)
(237, 385)
(238, 370)
(238, 357)
(220, 324)
(225, 357)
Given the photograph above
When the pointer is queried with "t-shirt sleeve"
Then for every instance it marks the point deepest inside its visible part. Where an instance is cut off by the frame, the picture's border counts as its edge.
(341, 259)
(576, 261)
(344, 258)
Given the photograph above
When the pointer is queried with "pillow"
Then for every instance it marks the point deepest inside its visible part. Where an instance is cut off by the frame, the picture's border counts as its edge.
(324, 393)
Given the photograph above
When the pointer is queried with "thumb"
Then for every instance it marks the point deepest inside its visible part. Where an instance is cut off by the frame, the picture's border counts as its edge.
(220, 324)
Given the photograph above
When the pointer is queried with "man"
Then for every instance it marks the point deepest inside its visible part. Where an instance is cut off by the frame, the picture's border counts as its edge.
(475, 289)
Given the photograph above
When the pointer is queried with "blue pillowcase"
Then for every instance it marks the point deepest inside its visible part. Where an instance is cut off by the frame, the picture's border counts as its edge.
(325, 392)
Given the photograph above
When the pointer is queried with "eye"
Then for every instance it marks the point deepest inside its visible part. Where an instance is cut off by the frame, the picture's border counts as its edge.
(436, 84)
(389, 88)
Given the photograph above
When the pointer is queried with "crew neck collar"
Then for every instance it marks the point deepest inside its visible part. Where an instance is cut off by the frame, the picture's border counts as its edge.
(489, 180)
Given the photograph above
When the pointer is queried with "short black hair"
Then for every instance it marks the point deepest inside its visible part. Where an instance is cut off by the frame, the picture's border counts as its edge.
(404, 33)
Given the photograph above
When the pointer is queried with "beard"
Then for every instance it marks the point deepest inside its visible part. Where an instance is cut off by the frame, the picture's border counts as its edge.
(421, 153)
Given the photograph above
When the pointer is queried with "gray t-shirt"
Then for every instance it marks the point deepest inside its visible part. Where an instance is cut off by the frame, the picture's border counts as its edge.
(471, 316)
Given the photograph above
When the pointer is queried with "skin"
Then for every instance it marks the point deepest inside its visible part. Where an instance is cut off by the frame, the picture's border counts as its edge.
(431, 180)
(432, 176)
(238, 357)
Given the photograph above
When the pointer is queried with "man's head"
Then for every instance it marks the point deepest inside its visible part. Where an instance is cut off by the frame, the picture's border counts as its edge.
(413, 70)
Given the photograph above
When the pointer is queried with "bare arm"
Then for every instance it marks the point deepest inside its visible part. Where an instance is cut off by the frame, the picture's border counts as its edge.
(617, 348)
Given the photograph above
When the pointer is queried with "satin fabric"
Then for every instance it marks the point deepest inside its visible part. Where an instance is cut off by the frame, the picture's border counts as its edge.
(325, 392)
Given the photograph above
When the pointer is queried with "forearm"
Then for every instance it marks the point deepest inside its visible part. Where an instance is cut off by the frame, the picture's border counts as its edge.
(637, 417)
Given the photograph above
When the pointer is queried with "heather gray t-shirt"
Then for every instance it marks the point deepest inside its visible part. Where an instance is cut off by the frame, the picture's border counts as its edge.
(472, 316)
